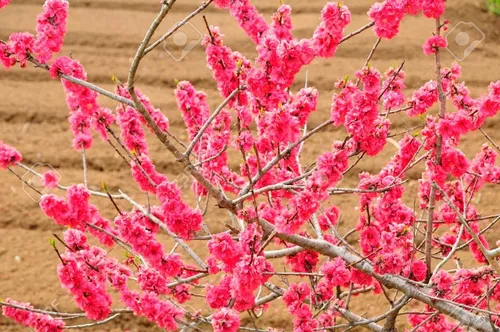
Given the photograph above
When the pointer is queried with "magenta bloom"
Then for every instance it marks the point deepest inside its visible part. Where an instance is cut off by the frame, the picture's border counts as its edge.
(4, 3)
(39, 322)
(9, 156)
(50, 179)
(226, 320)
(51, 28)
(434, 43)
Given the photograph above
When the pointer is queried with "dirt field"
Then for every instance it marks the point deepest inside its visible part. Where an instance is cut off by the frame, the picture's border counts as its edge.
(103, 35)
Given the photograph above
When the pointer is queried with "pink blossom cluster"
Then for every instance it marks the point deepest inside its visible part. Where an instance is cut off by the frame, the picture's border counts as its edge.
(327, 36)
(423, 99)
(472, 113)
(180, 219)
(149, 305)
(211, 147)
(294, 299)
(329, 170)
(39, 322)
(85, 271)
(226, 320)
(290, 216)
(247, 17)
(85, 111)
(17, 49)
(393, 87)
(280, 55)
(9, 156)
(136, 229)
(358, 110)
(445, 215)
(387, 15)
(79, 272)
(50, 179)
(439, 322)
(385, 219)
(484, 164)
(133, 136)
(304, 261)
(448, 130)
(51, 28)
(245, 265)
(158, 117)
(76, 211)
(433, 44)
(465, 286)
(145, 174)
(228, 67)
(4, 3)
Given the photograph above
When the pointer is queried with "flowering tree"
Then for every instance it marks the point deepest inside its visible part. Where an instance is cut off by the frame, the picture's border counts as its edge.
(273, 200)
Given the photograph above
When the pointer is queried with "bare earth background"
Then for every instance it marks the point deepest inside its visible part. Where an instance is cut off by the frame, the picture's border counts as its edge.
(104, 34)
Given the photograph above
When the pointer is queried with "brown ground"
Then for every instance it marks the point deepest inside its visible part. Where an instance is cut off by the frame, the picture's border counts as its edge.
(103, 35)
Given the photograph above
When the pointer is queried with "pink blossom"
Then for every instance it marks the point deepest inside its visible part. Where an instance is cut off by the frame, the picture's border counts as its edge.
(329, 218)
(370, 239)
(342, 103)
(442, 282)
(5, 56)
(155, 113)
(85, 284)
(336, 273)
(50, 179)
(433, 8)
(304, 261)
(360, 278)
(303, 320)
(334, 18)
(222, 247)
(437, 323)
(226, 320)
(4, 3)
(418, 270)
(432, 44)
(145, 174)
(20, 45)
(295, 296)
(249, 19)
(178, 216)
(149, 305)
(85, 111)
(423, 98)
(393, 88)
(51, 28)
(388, 262)
(76, 212)
(248, 273)
(219, 296)
(134, 228)
(9, 156)
(222, 3)
(387, 16)
(39, 322)
(413, 7)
